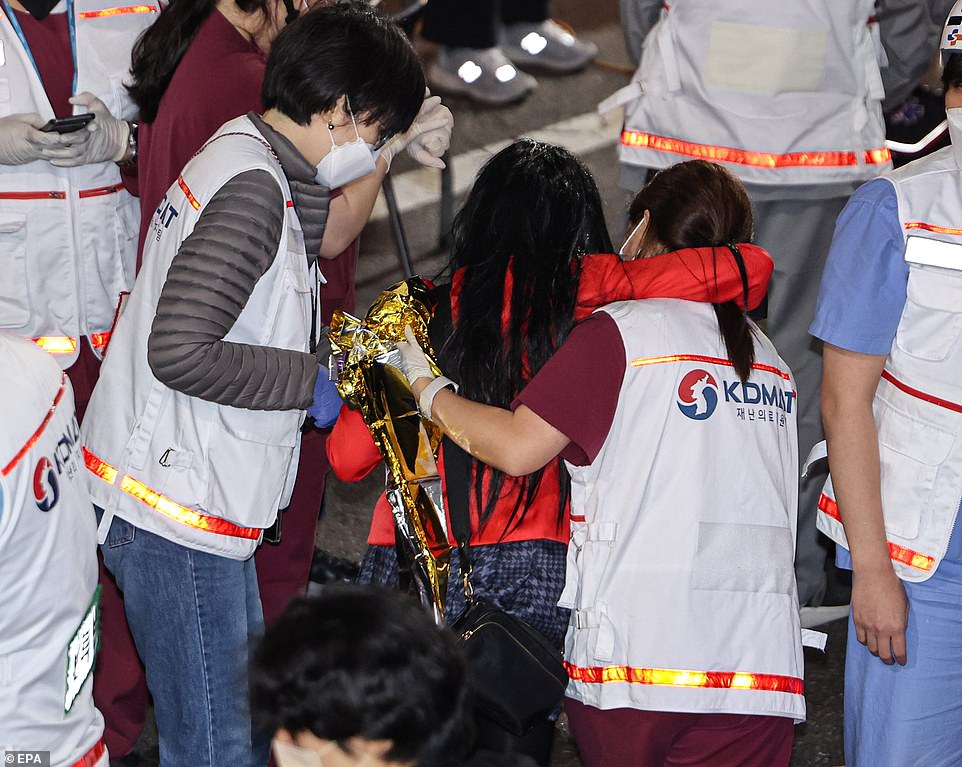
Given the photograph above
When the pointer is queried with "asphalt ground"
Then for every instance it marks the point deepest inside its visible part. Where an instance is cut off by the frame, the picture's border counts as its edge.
(565, 106)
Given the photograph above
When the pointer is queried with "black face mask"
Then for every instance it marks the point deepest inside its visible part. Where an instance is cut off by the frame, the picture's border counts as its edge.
(39, 9)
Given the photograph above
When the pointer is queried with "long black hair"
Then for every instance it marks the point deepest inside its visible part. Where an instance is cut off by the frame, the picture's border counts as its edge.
(532, 214)
(698, 204)
(161, 47)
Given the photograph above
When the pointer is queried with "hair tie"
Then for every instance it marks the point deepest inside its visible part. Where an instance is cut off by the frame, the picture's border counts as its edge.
(740, 262)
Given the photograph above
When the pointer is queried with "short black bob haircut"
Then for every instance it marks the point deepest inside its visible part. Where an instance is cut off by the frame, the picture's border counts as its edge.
(345, 50)
(364, 662)
(951, 70)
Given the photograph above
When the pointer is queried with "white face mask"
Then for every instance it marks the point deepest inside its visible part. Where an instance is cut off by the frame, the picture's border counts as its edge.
(954, 116)
(346, 162)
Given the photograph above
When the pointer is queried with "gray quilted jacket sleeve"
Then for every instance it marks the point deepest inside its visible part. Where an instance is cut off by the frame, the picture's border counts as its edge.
(208, 284)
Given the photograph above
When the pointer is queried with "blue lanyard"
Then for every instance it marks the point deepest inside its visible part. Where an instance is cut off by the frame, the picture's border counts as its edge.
(71, 25)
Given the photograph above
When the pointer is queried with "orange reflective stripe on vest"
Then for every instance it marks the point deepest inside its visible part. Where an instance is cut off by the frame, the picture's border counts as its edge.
(897, 553)
(164, 505)
(932, 227)
(11, 465)
(92, 756)
(120, 10)
(670, 677)
(195, 203)
(641, 140)
(68, 344)
(57, 344)
(642, 361)
(99, 341)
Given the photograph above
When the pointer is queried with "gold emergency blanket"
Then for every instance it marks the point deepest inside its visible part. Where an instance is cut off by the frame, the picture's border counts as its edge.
(369, 378)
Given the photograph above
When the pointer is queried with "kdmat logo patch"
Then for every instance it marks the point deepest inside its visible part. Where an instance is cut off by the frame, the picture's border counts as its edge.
(46, 488)
(698, 395)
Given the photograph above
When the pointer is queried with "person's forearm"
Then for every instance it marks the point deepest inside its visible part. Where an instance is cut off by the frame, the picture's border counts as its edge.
(879, 606)
(483, 431)
(350, 211)
(208, 284)
(515, 442)
(853, 454)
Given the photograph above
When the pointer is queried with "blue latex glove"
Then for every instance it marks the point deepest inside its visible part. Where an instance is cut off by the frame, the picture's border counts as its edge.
(327, 402)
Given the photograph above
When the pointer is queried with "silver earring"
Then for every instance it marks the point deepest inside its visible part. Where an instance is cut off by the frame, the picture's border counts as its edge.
(330, 126)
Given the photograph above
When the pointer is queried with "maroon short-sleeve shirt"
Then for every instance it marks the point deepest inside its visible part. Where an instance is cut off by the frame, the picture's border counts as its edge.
(577, 390)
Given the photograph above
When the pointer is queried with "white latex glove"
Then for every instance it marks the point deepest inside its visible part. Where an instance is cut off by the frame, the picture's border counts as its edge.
(429, 136)
(107, 136)
(21, 141)
(415, 365)
(414, 362)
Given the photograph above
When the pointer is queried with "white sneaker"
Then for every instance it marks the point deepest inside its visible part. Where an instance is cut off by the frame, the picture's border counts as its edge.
(547, 46)
(484, 75)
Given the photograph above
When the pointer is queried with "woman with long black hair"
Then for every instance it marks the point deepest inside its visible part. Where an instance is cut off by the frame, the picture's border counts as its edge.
(677, 423)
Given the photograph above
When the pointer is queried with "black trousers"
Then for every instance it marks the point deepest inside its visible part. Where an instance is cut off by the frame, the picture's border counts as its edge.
(475, 23)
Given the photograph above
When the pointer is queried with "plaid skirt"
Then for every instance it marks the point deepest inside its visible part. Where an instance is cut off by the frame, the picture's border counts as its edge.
(522, 578)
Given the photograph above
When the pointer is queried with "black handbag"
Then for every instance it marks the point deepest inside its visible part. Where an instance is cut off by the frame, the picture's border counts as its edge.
(517, 676)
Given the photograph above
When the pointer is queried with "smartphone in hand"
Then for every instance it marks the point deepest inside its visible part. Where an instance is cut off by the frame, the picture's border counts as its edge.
(67, 124)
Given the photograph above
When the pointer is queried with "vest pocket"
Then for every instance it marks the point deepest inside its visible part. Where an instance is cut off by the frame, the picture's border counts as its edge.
(249, 460)
(750, 58)
(14, 298)
(910, 453)
(932, 318)
(291, 310)
(752, 558)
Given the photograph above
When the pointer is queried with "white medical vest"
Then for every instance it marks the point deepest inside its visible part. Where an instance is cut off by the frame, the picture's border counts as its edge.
(48, 563)
(68, 236)
(681, 564)
(918, 403)
(203, 475)
(780, 93)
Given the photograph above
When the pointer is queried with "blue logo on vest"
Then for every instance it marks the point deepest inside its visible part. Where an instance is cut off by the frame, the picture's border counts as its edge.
(698, 395)
(46, 488)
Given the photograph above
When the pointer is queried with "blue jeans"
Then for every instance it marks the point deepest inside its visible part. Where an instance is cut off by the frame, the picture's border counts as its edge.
(193, 616)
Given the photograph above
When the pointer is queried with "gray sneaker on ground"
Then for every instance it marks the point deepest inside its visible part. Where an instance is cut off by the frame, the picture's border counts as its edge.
(484, 75)
(547, 46)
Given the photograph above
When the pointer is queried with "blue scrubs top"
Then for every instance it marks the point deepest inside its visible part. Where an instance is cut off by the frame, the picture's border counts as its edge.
(860, 303)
